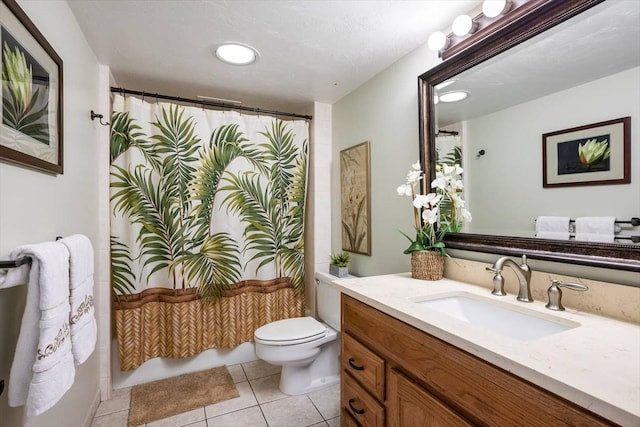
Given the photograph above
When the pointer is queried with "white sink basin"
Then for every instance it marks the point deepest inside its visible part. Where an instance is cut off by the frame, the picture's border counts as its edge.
(496, 316)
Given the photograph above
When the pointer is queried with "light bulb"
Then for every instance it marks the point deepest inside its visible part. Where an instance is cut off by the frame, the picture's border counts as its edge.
(462, 25)
(437, 41)
(493, 8)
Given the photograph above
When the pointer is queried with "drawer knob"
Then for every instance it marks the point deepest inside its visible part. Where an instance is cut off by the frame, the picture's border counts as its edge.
(354, 366)
(354, 409)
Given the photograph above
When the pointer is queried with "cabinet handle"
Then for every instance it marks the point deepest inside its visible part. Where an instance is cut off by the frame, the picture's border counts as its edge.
(354, 366)
(354, 409)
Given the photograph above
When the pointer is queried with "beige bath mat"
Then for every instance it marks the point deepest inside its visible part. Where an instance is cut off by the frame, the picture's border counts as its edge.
(164, 398)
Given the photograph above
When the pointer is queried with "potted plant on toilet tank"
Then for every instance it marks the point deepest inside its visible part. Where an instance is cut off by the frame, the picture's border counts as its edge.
(338, 264)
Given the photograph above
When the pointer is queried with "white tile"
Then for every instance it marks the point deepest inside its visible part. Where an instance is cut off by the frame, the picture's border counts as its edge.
(115, 419)
(259, 369)
(291, 411)
(267, 389)
(250, 417)
(202, 423)
(119, 401)
(327, 401)
(237, 373)
(322, 424)
(180, 420)
(245, 400)
(334, 422)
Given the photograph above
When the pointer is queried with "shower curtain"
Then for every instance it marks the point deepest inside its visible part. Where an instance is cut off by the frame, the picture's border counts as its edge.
(207, 220)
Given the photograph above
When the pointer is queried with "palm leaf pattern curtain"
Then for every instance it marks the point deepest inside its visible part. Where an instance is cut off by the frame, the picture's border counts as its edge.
(202, 200)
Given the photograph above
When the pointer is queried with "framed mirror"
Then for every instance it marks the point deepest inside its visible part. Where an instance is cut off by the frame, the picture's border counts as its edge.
(561, 66)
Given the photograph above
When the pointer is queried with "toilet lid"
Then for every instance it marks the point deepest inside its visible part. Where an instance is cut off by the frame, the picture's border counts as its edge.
(290, 331)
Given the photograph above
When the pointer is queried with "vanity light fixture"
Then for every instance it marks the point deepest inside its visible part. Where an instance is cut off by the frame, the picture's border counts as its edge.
(467, 31)
(453, 96)
(236, 53)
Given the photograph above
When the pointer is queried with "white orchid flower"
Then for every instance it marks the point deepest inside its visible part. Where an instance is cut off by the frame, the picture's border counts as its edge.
(404, 190)
(417, 166)
(439, 182)
(466, 215)
(414, 176)
(433, 199)
(457, 200)
(430, 215)
(420, 201)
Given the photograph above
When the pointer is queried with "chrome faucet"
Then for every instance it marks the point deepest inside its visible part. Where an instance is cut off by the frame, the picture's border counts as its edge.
(523, 272)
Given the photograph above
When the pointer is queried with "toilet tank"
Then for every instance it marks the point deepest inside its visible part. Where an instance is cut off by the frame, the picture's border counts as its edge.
(328, 300)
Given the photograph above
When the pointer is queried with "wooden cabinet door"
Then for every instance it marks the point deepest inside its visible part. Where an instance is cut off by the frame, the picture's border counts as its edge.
(409, 405)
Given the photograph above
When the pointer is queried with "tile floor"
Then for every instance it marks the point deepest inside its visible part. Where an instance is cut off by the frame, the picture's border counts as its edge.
(261, 404)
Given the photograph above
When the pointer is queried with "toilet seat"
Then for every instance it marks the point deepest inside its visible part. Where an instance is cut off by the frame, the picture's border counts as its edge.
(296, 330)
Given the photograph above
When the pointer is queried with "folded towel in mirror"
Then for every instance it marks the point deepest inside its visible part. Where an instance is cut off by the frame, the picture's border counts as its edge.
(596, 229)
(552, 227)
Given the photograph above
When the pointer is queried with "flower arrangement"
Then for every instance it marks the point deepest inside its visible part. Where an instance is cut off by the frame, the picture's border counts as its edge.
(442, 210)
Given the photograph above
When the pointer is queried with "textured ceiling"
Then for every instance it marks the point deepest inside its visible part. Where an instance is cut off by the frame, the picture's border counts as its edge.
(311, 50)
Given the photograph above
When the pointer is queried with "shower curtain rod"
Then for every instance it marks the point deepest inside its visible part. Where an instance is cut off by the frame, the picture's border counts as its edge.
(208, 103)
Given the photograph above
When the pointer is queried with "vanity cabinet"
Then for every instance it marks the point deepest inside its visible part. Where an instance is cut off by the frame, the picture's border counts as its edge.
(394, 374)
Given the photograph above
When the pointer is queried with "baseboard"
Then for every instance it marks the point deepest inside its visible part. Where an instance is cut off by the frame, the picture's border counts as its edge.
(92, 409)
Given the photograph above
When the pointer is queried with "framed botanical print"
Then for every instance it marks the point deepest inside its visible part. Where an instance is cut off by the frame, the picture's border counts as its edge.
(31, 118)
(355, 194)
(593, 154)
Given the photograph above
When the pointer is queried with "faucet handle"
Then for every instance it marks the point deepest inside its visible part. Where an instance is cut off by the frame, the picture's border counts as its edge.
(524, 261)
(555, 293)
(498, 281)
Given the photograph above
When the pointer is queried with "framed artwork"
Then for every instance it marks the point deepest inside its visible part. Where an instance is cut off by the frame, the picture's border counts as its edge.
(31, 118)
(595, 154)
(355, 194)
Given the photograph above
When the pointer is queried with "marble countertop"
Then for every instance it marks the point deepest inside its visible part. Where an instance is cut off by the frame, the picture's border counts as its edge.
(595, 365)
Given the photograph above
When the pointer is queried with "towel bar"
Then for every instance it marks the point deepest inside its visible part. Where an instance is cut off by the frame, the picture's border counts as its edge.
(15, 263)
(634, 221)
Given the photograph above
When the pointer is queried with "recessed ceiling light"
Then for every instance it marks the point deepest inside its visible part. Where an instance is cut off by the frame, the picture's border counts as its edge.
(236, 54)
(453, 96)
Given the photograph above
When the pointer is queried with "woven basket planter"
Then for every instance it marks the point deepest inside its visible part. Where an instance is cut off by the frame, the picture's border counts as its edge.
(160, 322)
(427, 265)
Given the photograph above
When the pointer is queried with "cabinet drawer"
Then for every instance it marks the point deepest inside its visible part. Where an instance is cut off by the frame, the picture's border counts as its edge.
(359, 404)
(364, 365)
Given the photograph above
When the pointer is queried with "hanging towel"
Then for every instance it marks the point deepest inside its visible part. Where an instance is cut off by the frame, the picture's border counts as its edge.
(552, 227)
(82, 321)
(42, 369)
(596, 229)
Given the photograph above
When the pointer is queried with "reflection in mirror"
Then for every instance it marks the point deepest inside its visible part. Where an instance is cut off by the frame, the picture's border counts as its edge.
(583, 71)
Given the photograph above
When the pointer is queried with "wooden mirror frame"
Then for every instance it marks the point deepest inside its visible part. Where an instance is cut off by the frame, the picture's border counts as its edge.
(543, 16)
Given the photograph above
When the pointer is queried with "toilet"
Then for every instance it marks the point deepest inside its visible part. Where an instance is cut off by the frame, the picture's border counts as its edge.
(307, 349)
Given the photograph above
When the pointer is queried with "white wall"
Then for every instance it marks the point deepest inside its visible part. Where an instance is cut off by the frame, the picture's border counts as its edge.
(383, 111)
(37, 207)
(516, 134)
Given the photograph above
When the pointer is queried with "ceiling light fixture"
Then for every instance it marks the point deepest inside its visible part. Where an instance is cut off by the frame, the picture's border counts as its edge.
(494, 8)
(453, 96)
(236, 53)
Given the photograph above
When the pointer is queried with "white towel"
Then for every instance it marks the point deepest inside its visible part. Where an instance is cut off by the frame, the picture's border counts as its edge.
(82, 320)
(596, 229)
(552, 227)
(42, 369)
